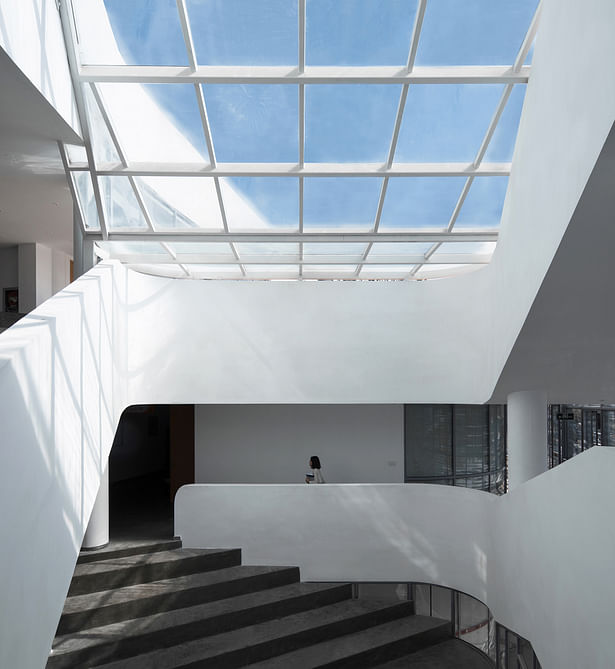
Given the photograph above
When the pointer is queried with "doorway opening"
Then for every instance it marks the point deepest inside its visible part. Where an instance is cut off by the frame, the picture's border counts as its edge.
(151, 457)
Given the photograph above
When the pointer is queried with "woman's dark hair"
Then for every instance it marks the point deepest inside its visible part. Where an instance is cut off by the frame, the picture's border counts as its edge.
(315, 462)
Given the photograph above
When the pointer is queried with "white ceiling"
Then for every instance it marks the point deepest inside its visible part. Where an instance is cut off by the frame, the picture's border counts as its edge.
(35, 202)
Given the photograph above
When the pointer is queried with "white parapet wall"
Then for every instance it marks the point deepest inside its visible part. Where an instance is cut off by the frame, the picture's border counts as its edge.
(540, 557)
(62, 383)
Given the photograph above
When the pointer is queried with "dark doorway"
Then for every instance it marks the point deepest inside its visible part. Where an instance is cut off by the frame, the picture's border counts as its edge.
(152, 455)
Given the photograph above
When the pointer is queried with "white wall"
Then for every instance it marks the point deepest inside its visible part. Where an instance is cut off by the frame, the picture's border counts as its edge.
(31, 34)
(273, 443)
(42, 273)
(62, 374)
(540, 557)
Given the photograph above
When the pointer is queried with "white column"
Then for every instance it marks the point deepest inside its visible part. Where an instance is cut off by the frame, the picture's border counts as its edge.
(526, 436)
(97, 532)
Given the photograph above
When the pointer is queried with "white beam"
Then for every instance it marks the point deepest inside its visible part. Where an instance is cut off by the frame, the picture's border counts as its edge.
(295, 259)
(307, 170)
(241, 74)
(192, 235)
(416, 32)
(187, 33)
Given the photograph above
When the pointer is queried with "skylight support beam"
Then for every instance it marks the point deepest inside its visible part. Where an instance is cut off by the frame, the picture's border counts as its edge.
(71, 186)
(528, 40)
(192, 235)
(308, 170)
(294, 259)
(187, 33)
(239, 74)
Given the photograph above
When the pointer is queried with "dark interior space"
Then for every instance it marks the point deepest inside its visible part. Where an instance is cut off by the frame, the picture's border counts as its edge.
(152, 456)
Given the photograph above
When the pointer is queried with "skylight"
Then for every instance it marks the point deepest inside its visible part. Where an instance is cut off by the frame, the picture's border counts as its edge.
(298, 139)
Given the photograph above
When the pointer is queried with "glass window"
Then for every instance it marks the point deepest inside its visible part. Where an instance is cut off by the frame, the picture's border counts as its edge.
(244, 32)
(340, 202)
(420, 202)
(359, 32)
(446, 122)
(349, 122)
(474, 32)
(255, 123)
(429, 440)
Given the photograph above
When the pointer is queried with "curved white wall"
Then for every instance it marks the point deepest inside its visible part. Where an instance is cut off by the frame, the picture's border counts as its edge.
(539, 557)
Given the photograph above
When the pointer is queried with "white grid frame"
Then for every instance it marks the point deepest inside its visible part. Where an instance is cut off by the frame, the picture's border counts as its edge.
(301, 75)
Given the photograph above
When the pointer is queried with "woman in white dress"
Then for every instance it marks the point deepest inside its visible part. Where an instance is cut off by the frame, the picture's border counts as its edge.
(316, 475)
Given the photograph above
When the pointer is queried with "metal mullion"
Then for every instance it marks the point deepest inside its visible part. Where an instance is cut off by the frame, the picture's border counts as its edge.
(308, 170)
(492, 126)
(225, 224)
(319, 74)
(173, 255)
(527, 41)
(313, 237)
(70, 39)
(71, 186)
(187, 33)
(416, 32)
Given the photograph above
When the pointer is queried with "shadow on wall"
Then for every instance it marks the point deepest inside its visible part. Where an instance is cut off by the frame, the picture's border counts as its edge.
(58, 369)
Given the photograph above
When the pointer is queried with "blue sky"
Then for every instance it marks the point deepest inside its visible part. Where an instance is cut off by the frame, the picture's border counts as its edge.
(343, 123)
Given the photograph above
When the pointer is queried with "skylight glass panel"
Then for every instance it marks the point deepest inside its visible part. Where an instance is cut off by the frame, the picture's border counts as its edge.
(214, 271)
(181, 202)
(340, 202)
(76, 154)
(255, 123)
(102, 144)
(273, 271)
(385, 271)
(483, 205)
(446, 122)
(420, 202)
(452, 248)
(398, 249)
(359, 32)
(85, 192)
(120, 204)
(158, 123)
(244, 32)
(502, 143)
(353, 251)
(261, 203)
(145, 32)
(349, 122)
(290, 252)
(133, 248)
(329, 271)
(473, 32)
(221, 250)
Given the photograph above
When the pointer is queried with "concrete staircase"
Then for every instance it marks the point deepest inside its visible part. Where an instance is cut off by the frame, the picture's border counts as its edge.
(159, 605)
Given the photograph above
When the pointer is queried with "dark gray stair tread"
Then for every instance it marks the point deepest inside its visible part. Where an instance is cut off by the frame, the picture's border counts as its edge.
(217, 647)
(121, 549)
(449, 654)
(346, 647)
(140, 559)
(160, 622)
(129, 593)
